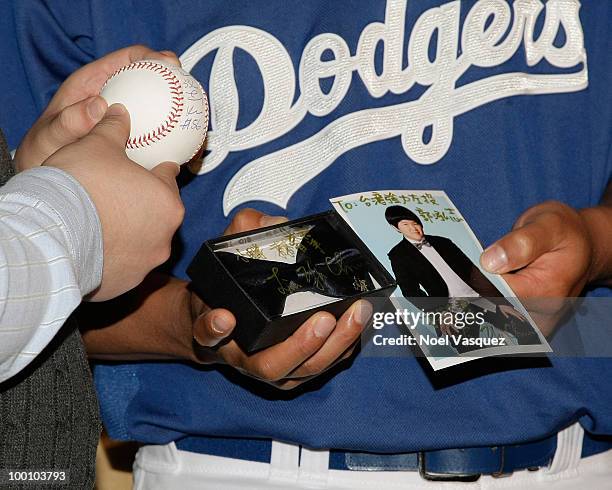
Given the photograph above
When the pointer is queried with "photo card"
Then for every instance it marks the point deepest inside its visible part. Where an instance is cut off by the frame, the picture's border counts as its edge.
(446, 304)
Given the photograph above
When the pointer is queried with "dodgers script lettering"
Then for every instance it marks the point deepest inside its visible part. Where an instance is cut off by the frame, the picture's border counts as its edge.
(491, 34)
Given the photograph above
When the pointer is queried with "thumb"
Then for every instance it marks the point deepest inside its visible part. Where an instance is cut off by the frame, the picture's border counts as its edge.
(167, 172)
(212, 327)
(521, 247)
(114, 126)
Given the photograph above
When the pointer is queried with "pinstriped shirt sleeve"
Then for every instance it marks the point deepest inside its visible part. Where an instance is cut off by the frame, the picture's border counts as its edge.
(50, 257)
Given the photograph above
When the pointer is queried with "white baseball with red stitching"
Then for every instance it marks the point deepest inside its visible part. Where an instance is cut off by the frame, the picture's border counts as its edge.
(168, 111)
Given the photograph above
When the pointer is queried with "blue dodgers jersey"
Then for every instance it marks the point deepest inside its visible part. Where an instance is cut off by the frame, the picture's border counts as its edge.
(501, 104)
(18, 111)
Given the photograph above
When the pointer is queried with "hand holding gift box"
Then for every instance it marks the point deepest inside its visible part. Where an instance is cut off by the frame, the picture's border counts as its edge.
(164, 317)
(274, 279)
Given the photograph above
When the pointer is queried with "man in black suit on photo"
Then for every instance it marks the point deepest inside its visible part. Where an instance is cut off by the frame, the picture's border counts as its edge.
(431, 270)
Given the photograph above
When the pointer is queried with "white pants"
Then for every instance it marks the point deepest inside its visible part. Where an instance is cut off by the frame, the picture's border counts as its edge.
(167, 468)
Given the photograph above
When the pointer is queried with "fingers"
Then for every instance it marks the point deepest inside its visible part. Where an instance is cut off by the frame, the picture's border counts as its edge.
(250, 219)
(518, 315)
(267, 220)
(244, 220)
(114, 126)
(166, 56)
(278, 361)
(347, 332)
(73, 122)
(111, 62)
(89, 79)
(317, 345)
(314, 347)
(523, 245)
(212, 327)
(51, 133)
(509, 311)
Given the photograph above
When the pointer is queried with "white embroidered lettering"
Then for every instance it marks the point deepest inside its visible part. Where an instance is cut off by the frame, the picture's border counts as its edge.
(491, 34)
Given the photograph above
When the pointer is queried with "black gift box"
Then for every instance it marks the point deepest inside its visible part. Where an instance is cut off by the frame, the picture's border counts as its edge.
(273, 279)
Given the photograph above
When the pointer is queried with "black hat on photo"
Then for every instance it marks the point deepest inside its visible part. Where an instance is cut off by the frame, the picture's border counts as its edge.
(395, 214)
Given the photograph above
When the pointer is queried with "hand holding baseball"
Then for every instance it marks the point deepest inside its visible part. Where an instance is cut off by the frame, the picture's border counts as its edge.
(139, 210)
(77, 106)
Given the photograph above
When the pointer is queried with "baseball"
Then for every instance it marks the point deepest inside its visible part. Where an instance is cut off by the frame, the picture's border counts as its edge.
(168, 111)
